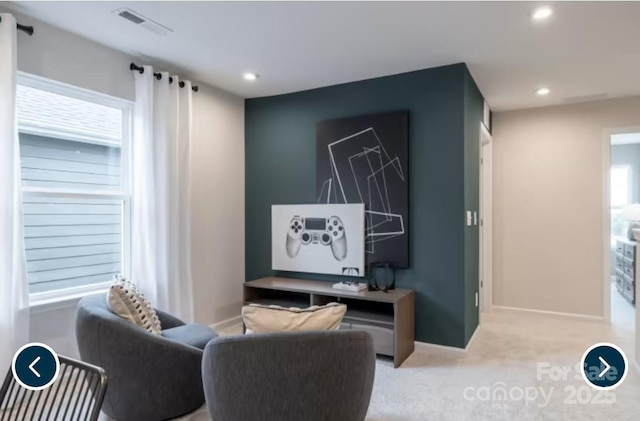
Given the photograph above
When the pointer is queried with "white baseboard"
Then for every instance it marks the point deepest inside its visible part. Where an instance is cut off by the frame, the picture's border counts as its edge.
(227, 323)
(552, 313)
(425, 346)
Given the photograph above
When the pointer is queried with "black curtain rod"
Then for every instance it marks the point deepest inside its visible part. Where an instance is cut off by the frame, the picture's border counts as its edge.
(158, 76)
(26, 29)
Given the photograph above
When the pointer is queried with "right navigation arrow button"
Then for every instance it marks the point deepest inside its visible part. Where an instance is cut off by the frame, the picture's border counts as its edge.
(606, 367)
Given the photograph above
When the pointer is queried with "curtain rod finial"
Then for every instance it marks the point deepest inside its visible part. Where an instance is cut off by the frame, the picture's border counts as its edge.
(133, 66)
(26, 29)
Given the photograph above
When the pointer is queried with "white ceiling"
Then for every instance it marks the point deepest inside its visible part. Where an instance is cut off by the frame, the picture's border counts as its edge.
(585, 51)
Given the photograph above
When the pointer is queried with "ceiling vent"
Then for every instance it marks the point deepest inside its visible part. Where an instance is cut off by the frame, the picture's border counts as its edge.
(143, 21)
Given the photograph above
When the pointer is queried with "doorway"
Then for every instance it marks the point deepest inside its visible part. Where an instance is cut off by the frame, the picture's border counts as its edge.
(486, 220)
(623, 206)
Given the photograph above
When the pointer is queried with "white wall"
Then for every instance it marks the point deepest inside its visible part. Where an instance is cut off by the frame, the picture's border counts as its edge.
(549, 204)
(66, 57)
(217, 176)
(218, 205)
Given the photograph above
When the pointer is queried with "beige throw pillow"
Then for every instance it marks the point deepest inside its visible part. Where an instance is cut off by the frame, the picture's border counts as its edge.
(126, 300)
(262, 319)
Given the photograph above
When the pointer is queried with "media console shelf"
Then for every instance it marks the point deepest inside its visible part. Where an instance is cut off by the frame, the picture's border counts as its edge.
(388, 317)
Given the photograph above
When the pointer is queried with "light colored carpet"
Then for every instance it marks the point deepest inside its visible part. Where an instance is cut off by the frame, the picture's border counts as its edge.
(443, 384)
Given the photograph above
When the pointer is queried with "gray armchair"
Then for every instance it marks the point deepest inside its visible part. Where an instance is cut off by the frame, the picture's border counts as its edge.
(150, 377)
(310, 376)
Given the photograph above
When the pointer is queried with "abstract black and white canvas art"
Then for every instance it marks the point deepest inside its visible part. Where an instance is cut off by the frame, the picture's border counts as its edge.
(318, 238)
(364, 159)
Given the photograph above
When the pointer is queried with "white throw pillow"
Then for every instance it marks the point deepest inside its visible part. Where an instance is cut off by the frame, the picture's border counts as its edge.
(262, 319)
(126, 300)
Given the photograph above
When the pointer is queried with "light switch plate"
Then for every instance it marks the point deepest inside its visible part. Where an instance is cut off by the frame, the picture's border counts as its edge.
(475, 218)
(469, 218)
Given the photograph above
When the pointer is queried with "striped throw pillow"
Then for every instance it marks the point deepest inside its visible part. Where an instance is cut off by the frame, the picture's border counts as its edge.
(127, 301)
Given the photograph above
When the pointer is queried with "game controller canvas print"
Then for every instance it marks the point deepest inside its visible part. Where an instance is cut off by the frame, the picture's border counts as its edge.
(318, 238)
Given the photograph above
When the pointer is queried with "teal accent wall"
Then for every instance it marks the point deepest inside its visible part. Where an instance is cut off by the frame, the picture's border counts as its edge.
(280, 168)
(473, 113)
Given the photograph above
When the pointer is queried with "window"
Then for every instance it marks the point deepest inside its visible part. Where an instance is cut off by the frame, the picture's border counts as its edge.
(620, 197)
(74, 154)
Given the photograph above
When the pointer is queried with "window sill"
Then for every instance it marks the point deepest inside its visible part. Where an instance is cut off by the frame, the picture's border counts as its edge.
(44, 304)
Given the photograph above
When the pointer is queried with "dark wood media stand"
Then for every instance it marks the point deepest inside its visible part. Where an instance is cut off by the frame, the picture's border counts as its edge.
(388, 317)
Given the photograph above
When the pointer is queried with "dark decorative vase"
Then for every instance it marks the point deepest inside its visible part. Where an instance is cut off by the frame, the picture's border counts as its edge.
(382, 277)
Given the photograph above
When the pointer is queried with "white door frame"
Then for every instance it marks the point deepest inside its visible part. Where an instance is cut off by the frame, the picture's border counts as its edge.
(486, 220)
(606, 205)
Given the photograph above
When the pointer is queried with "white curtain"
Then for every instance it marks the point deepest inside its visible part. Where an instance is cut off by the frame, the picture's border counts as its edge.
(14, 299)
(161, 258)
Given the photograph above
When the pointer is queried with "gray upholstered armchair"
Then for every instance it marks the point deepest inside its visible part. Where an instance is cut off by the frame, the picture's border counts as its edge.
(310, 376)
(150, 377)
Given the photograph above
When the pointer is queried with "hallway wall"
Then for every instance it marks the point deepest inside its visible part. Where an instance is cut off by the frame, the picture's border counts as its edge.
(549, 189)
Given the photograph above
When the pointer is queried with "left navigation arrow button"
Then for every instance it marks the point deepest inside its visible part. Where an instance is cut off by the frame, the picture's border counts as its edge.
(35, 366)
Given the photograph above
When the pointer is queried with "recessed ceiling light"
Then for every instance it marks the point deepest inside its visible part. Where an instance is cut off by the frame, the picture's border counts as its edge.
(543, 91)
(542, 13)
(251, 76)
